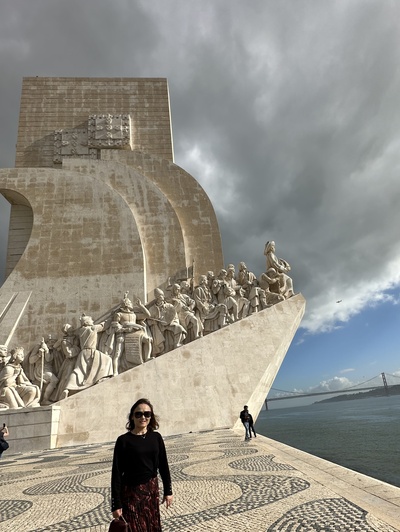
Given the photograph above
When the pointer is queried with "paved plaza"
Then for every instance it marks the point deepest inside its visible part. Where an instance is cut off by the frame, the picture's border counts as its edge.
(220, 482)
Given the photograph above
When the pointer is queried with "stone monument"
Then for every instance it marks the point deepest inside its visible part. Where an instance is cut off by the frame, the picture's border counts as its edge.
(99, 211)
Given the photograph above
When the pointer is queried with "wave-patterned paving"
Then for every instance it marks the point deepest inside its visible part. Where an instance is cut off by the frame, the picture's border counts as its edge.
(328, 514)
(255, 493)
(220, 484)
(12, 508)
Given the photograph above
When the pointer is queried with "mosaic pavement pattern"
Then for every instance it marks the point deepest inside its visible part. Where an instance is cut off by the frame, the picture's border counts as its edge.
(220, 483)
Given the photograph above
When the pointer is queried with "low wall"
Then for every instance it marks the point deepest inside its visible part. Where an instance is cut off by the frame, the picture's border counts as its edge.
(31, 429)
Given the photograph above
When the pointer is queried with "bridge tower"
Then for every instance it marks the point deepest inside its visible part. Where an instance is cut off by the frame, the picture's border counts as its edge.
(385, 384)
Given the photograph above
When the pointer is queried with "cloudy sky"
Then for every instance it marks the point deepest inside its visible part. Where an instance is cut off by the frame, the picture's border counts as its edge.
(288, 114)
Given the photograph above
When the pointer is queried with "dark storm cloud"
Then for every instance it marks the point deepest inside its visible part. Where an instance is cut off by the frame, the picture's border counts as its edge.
(286, 112)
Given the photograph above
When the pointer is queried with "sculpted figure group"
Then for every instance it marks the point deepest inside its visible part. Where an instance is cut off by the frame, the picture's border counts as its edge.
(133, 334)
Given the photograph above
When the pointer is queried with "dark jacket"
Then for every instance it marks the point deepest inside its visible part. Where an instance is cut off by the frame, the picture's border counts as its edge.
(246, 416)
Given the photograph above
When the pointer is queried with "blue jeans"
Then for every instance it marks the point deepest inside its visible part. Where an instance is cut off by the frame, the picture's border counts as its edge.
(247, 428)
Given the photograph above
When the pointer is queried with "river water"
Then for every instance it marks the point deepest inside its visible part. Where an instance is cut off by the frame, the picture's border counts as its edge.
(363, 434)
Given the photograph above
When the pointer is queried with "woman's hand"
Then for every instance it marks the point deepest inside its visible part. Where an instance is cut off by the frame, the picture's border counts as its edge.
(117, 513)
(168, 500)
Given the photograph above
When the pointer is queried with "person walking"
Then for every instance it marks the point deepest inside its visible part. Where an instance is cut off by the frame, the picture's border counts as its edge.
(3, 434)
(245, 419)
(138, 456)
(251, 426)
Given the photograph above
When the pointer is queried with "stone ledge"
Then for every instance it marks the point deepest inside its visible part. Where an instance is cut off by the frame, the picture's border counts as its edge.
(375, 496)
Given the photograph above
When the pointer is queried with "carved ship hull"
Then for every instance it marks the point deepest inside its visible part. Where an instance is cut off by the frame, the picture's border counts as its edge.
(199, 386)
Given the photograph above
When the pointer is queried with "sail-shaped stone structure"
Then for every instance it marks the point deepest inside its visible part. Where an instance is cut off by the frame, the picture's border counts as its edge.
(98, 207)
(97, 203)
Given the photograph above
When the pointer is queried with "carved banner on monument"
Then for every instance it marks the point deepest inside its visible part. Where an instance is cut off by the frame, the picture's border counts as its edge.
(133, 349)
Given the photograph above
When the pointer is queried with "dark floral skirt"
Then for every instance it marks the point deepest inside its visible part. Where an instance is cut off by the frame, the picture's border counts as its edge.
(141, 506)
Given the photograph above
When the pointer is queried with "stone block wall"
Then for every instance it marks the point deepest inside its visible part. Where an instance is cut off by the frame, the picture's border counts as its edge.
(49, 104)
(19, 232)
(83, 253)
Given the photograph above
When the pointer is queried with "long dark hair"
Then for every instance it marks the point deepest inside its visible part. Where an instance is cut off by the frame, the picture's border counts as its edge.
(153, 425)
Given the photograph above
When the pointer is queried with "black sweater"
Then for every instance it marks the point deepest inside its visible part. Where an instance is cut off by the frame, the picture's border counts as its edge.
(136, 460)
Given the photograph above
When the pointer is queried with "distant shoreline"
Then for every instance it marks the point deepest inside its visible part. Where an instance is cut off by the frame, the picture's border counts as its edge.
(382, 392)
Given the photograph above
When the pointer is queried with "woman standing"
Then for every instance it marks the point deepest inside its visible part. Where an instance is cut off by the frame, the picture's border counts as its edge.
(138, 455)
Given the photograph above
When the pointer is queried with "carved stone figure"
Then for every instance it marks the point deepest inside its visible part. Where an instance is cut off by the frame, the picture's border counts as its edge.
(257, 297)
(166, 330)
(91, 365)
(132, 333)
(54, 348)
(41, 360)
(281, 267)
(4, 356)
(128, 338)
(186, 288)
(252, 291)
(244, 276)
(269, 282)
(212, 314)
(225, 295)
(210, 279)
(16, 390)
(279, 283)
(68, 345)
(240, 297)
(184, 306)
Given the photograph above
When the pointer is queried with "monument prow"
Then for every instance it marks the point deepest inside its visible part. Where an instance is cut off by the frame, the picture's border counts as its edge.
(199, 386)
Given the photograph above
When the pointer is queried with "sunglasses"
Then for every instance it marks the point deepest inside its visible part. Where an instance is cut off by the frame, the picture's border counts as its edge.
(146, 414)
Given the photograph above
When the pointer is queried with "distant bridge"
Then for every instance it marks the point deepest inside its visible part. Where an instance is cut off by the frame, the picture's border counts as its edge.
(360, 387)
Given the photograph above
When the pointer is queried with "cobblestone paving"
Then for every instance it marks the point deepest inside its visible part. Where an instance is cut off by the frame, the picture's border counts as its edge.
(220, 482)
